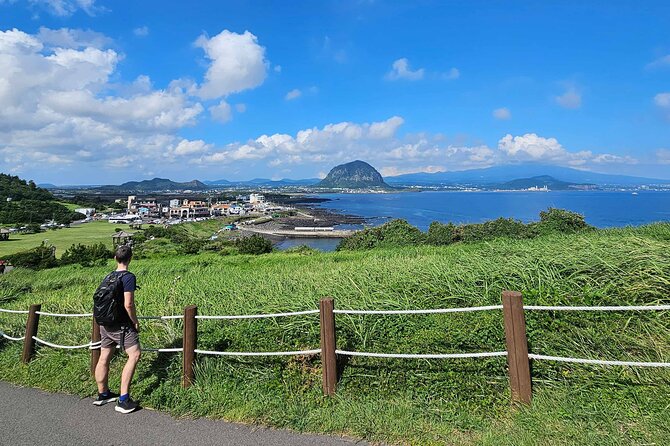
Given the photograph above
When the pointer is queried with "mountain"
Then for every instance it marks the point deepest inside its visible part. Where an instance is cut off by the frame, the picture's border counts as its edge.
(264, 182)
(156, 185)
(544, 181)
(501, 174)
(354, 175)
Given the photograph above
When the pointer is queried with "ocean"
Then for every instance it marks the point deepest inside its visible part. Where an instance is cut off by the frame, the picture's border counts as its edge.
(603, 209)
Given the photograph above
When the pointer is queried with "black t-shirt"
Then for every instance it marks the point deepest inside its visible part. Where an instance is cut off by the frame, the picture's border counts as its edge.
(129, 285)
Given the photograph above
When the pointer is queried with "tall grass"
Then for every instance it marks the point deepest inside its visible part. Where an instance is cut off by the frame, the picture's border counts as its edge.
(398, 401)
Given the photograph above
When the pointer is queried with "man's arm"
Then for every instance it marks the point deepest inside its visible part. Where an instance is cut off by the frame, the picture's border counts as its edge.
(129, 304)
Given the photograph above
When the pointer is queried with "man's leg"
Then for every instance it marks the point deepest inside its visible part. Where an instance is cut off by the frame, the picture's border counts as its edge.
(134, 354)
(102, 369)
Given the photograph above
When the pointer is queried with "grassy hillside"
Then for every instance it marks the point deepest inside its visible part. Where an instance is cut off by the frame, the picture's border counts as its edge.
(397, 401)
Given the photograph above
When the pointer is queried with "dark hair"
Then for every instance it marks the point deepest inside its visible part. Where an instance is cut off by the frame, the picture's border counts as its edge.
(123, 254)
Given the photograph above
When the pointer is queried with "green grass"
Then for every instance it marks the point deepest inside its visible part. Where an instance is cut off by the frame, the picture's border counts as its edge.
(395, 401)
(91, 233)
(62, 239)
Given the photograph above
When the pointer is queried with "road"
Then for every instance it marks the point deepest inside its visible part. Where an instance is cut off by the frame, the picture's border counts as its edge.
(34, 417)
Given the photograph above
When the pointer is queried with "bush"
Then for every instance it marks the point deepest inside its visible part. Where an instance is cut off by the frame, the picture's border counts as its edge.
(41, 257)
(87, 255)
(560, 220)
(393, 233)
(302, 250)
(157, 232)
(502, 227)
(442, 234)
(255, 244)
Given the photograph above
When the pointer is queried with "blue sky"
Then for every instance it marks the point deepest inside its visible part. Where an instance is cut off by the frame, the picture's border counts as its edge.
(103, 92)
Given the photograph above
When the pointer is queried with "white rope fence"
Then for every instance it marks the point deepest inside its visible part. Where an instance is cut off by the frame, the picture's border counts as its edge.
(294, 353)
(44, 313)
(422, 356)
(260, 316)
(603, 308)
(430, 311)
(67, 347)
(2, 310)
(6, 336)
(599, 361)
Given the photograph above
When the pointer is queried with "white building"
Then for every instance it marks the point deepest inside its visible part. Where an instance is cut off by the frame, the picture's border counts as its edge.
(256, 199)
(86, 211)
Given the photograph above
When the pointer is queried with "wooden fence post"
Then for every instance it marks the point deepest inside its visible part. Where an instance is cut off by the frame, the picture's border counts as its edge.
(190, 341)
(95, 351)
(517, 347)
(31, 330)
(328, 355)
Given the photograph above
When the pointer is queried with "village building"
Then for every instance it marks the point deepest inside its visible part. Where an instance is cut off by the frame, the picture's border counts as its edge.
(88, 212)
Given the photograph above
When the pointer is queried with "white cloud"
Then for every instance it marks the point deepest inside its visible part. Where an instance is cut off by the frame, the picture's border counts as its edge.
(237, 63)
(58, 105)
(241, 108)
(662, 100)
(502, 114)
(186, 147)
(277, 68)
(72, 38)
(401, 70)
(221, 112)
(663, 156)
(571, 98)
(452, 74)
(663, 61)
(66, 8)
(530, 146)
(293, 94)
(385, 129)
(141, 31)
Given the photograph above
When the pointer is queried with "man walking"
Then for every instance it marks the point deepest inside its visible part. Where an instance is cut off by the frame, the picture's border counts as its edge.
(114, 309)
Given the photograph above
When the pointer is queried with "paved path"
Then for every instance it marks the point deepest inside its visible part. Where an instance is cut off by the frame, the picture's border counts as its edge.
(34, 417)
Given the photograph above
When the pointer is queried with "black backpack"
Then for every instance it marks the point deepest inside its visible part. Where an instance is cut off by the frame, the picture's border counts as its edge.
(108, 300)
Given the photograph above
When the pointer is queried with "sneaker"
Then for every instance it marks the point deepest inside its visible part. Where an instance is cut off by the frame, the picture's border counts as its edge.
(126, 406)
(102, 400)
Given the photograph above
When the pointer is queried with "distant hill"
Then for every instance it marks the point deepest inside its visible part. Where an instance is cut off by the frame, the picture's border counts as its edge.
(354, 175)
(501, 174)
(155, 185)
(265, 182)
(542, 181)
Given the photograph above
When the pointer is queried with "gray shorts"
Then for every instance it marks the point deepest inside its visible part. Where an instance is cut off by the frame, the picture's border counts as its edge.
(124, 337)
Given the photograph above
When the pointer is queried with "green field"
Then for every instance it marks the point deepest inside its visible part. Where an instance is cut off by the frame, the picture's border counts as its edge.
(62, 239)
(90, 233)
(463, 401)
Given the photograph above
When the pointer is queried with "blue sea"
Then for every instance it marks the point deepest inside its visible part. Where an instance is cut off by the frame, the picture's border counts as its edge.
(602, 209)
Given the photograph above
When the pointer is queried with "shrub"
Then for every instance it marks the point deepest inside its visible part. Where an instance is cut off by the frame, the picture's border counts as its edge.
(560, 220)
(255, 244)
(501, 227)
(86, 255)
(302, 249)
(393, 233)
(41, 257)
(157, 232)
(442, 234)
